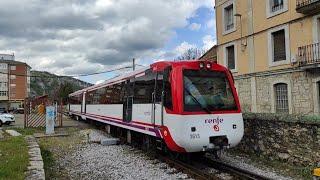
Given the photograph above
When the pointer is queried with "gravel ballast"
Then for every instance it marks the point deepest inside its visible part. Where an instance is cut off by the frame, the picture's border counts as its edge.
(95, 161)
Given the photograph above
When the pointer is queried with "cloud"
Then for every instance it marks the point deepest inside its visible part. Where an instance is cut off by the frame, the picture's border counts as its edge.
(99, 82)
(183, 47)
(80, 36)
(211, 24)
(208, 42)
(195, 26)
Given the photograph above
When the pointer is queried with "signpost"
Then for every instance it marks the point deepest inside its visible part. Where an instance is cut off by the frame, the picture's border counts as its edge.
(50, 117)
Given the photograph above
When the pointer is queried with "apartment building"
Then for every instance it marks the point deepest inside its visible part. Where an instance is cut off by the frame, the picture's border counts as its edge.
(14, 82)
(272, 48)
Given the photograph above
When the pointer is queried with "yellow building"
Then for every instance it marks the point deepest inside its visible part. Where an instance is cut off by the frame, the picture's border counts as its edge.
(272, 48)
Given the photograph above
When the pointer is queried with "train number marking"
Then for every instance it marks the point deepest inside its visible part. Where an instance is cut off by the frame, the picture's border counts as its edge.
(194, 136)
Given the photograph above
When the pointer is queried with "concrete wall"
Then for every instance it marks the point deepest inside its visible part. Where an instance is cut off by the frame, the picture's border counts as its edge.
(295, 140)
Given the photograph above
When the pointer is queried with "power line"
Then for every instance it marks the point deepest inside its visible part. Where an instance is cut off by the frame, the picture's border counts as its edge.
(71, 76)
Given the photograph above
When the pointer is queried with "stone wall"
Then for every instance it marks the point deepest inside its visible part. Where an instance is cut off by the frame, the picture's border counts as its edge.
(300, 86)
(292, 139)
(244, 92)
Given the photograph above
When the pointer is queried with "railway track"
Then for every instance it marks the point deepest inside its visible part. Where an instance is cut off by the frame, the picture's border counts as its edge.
(237, 172)
(200, 174)
(186, 168)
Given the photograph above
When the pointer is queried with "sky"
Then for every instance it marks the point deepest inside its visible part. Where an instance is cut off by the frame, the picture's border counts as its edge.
(71, 37)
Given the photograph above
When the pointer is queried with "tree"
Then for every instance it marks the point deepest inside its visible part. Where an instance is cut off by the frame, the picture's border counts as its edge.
(64, 91)
(191, 54)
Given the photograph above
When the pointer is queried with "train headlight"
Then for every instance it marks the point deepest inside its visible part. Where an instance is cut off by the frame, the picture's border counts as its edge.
(201, 65)
(209, 66)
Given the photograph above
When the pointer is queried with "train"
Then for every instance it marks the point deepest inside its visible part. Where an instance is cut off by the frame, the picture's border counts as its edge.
(187, 106)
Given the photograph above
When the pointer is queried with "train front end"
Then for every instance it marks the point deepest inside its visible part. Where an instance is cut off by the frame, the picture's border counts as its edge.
(205, 114)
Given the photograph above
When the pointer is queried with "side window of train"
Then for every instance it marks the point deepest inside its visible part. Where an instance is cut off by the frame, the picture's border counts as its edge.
(159, 88)
(143, 88)
(167, 88)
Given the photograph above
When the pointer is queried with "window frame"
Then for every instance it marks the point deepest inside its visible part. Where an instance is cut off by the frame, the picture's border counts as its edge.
(225, 52)
(273, 94)
(281, 97)
(226, 5)
(13, 68)
(269, 9)
(12, 77)
(271, 46)
(316, 28)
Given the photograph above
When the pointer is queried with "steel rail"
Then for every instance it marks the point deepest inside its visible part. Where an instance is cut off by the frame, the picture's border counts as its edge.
(187, 168)
(241, 173)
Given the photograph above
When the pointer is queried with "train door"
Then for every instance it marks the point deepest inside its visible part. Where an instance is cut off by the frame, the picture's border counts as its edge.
(128, 101)
(157, 108)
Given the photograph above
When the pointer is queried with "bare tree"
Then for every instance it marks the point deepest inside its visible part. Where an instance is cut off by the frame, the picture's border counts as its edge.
(191, 54)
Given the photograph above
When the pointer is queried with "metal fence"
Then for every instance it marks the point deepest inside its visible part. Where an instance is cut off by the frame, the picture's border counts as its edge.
(309, 54)
(35, 114)
(302, 3)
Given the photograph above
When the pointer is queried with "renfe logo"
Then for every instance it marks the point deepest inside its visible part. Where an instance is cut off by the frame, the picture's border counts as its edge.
(214, 121)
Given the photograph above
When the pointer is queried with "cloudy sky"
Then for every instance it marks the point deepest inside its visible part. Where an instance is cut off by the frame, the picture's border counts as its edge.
(70, 37)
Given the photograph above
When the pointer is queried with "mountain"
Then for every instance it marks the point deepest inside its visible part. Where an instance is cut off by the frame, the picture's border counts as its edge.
(43, 82)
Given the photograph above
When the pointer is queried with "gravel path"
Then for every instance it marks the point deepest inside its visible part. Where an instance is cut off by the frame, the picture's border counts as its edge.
(94, 161)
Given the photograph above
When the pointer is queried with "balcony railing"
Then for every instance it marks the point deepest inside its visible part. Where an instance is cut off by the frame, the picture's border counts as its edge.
(309, 54)
(308, 6)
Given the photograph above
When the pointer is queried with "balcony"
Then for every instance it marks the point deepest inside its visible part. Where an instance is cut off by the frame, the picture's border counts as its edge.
(308, 6)
(309, 56)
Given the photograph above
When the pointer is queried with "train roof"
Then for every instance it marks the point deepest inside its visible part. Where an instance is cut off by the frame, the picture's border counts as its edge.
(157, 66)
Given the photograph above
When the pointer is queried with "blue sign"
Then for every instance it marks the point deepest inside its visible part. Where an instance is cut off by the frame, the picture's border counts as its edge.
(50, 117)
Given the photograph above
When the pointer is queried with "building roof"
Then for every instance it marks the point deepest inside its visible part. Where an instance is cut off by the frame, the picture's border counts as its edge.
(210, 54)
(14, 62)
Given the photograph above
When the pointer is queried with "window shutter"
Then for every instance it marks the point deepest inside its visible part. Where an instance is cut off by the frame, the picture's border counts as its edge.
(231, 57)
(279, 46)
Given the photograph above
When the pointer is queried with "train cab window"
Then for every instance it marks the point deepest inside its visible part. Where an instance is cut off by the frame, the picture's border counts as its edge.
(207, 91)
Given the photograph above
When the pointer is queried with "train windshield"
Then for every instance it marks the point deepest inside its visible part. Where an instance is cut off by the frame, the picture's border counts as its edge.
(207, 91)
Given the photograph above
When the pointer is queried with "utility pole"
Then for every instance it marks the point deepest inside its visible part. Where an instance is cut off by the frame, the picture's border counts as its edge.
(133, 64)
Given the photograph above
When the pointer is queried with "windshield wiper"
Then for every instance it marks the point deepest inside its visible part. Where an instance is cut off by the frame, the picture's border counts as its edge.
(196, 100)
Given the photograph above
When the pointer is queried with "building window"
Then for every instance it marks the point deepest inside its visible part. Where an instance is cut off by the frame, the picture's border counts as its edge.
(275, 7)
(12, 76)
(3, 66)
(3, 84)
(281, 98)
(13, 68)
(13, 85)
(3, 93)
(230, 56)
(228, 17)
(279, 45)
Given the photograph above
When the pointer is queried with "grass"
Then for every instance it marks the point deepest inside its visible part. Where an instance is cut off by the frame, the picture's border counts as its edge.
(53, 148)
(14, 158)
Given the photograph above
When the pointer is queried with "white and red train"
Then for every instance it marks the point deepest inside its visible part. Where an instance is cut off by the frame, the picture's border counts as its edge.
(191, 106)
